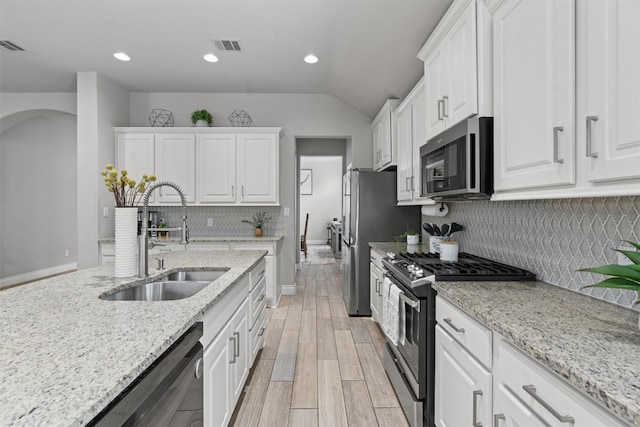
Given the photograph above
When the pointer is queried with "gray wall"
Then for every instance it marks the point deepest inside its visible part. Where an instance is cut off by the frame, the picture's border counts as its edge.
(300, 116)
(552, 238)
(38, 192)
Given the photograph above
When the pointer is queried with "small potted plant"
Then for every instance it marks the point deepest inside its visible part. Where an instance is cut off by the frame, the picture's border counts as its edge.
(201, 118)
(622, 276)
(258, 221)
(410, 236)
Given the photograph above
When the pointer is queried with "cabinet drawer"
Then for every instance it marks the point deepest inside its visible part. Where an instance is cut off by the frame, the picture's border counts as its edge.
(474, 336)
(376, 258)
(258, 273)
(257, 335)
(545, 393)
(257, 301)
(218, 315)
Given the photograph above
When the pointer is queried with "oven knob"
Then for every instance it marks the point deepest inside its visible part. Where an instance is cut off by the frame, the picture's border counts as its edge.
(391, 255)
(418, 272)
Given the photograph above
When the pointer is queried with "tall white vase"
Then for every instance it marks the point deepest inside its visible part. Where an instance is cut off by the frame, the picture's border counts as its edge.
(126, 221)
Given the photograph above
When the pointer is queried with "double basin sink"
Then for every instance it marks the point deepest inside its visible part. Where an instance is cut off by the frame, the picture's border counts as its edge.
(175, 286)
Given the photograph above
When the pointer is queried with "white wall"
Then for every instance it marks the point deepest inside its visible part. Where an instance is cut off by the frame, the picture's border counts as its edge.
(326, 201)
(310, 115)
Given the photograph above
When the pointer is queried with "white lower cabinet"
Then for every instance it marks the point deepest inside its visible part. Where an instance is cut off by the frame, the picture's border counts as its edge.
(375, 286)
(463, 385)
(218, 406)
(530, 395)
(272, 273)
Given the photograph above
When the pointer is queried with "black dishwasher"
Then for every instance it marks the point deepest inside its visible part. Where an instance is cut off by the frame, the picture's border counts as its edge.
(168, 393)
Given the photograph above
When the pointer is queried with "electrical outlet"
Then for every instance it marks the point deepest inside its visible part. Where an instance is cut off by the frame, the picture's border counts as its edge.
(105, 212)
(209, 222)
(66, 252)
(286, 212)
(622, 259)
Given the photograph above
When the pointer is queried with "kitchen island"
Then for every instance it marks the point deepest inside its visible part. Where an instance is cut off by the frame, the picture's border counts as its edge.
(66, 354)
(592, 344)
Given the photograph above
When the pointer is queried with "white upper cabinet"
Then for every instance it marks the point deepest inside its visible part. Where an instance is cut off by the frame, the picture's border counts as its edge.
(137, 154)
(382, 129)
(567, 98)
(534, 56)
(176, 163)
(214, 166)
(609, 88)
(457, 67)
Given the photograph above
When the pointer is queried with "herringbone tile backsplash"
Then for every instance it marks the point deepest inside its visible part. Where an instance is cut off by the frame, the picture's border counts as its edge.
(551, 238)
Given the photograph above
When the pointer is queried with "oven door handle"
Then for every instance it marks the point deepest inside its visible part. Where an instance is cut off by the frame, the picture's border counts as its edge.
(415, 305)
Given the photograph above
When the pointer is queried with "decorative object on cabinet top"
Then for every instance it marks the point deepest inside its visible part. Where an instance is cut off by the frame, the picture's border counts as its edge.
(240, 118)
(199, 117)
(161, 118)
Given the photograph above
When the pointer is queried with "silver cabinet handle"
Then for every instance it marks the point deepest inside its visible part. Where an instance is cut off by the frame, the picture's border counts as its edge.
(261, 297)
(450, 323)
(233, 191)
(531, 389)
(444, 106)
(236, 351)
(243, 191)
(497, 418)
(475, 421)
(556, 131)
(412, 183)
(590, 120)
(199, 365)
(261, 332)
(377, 286)
(406, 183)
(440, 108)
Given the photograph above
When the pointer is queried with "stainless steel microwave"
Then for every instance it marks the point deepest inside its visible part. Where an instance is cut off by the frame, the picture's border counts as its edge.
(458, 163)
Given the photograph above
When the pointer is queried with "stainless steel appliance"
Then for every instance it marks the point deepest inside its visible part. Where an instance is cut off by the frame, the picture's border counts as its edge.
(458, 163)
(169, 393)
(336, 238)
(370, 215)
(410, 365)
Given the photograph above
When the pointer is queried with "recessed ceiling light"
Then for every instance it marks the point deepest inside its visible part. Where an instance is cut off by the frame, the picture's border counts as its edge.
(310, 59)
(122, 56)
(210, 57)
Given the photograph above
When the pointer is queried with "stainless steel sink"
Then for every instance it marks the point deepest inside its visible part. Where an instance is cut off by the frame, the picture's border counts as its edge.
(178, 285)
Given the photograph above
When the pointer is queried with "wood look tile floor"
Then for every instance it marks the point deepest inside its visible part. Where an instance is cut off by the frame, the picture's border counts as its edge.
(319, 367)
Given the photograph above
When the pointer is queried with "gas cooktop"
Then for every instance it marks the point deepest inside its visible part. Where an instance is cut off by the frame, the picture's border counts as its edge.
(416, 269)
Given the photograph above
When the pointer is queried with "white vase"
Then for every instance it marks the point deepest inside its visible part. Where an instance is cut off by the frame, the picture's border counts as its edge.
(126, 224)
(202, 123)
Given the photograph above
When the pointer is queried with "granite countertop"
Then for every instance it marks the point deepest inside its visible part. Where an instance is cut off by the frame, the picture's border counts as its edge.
(66, 353)
(213, 239)
(593, 344)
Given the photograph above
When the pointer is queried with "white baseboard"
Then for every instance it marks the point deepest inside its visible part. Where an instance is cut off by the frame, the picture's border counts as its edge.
(38, 274)
(288, 289)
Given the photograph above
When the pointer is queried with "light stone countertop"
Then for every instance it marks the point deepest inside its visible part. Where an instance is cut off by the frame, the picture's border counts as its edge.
(593, 344)
(213, 239)
(66, 354)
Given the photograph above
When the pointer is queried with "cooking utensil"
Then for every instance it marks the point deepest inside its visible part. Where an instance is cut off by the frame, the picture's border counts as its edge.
(455, 227)
(428, 228)
(445, 229)
(437, 230)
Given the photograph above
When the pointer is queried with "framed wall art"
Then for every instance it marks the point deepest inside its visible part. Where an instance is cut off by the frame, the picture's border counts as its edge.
(306, 181)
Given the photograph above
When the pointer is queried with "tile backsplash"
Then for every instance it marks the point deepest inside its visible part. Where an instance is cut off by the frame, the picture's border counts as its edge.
(227, 220)
(552, 238)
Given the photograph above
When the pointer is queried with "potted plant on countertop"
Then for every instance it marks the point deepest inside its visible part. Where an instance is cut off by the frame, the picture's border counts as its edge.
(258, 221)
(622, 276)
(410, 236)
(201, 118)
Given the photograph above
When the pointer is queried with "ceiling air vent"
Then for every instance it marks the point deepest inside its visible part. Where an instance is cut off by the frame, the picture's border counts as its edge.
(11, 46)
(228, 45)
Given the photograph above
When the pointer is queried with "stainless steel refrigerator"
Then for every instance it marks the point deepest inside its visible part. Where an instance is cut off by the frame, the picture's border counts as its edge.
(370, 214)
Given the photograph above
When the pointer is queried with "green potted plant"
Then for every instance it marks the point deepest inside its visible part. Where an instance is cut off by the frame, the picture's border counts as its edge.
(410, 236)
(258, 221)
(201, 118)
(622, 276)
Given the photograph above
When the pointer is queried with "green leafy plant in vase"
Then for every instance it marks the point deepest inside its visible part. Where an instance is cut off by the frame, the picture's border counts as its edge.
(259, 220)
(622, 276)
(199, 117)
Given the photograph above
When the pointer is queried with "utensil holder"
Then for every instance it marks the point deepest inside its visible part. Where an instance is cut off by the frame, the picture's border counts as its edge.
(434, 243)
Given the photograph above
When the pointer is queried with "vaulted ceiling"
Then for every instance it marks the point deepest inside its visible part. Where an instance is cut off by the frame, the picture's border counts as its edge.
(366, 48)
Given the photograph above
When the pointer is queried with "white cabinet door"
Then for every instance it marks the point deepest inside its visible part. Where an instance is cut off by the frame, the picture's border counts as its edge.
(258, 168)
(463, 394)
(218, 400)
(241, 351)
(375, 284)
(418, 128)
(216, 168)
(534, 80)
(435, 77)
(377, 145)
(461, 98)
(137, 154)
(386, 142)
(609, 96)
(404, 150)
(176, 163)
